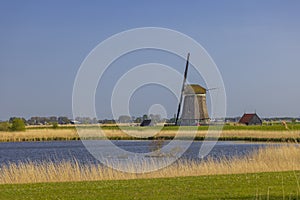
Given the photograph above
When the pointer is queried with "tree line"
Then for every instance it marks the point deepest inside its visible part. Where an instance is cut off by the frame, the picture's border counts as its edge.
(16, 124)
(19, 123)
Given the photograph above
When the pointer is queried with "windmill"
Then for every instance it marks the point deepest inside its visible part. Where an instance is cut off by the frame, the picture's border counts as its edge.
(194, 108)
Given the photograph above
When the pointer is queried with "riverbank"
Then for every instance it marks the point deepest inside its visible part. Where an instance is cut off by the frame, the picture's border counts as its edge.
(131, 133)
(270, 159)
(273, 185)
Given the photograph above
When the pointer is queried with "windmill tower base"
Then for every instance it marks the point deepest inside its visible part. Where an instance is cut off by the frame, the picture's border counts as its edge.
(194, 110)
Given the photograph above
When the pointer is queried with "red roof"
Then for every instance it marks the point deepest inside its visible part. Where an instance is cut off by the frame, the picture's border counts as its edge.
(246, 118)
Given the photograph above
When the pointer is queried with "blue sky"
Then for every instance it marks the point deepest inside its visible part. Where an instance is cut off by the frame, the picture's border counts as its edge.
(255, 45)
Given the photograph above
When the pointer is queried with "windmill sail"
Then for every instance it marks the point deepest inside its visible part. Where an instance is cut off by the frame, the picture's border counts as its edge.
(182, 89)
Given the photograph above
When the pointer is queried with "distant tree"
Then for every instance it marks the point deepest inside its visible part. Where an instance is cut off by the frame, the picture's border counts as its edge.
(13, 118)
(172, 120)
(151, 116)
(30, 122)
(4, 126)
(63, 120)
(39, 120)
(145, 117)
(138, 120)
(107, 121)
(54, 125)
(94, 120)
(133, 118)
(33, 121)
(52, 119)
(124, 119)
(155, 118)
(86, 120)
(44, 120)
(18, 124)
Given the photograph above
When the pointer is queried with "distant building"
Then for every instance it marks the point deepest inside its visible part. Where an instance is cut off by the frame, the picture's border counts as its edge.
(147, 122)
(250, 119)
(74, 122)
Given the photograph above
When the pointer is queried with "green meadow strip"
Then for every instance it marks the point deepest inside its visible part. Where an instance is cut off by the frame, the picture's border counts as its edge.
(274, 185)
(276, 127)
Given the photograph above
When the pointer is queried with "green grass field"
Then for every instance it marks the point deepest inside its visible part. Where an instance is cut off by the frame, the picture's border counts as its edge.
(274, 127)
(275, 185)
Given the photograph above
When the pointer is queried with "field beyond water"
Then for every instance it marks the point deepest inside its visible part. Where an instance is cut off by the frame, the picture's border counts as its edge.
(265, 133)
(272, 185)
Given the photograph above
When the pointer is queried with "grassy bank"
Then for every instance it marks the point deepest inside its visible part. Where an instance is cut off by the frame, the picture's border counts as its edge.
(48, 134)
(271, 159)
(275, 185)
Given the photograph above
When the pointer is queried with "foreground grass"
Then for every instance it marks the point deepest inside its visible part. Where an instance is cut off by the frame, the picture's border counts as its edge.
(279, 185)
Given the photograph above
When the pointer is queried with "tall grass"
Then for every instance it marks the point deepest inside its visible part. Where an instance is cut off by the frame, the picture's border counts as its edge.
(39, 135)
(270, 159)
(93, 133)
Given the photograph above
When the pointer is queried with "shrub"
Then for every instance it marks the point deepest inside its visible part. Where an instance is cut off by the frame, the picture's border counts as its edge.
(4, 126)
(18, 125)
(55, 125)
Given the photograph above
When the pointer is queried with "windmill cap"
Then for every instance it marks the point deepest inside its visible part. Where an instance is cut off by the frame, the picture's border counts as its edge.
(194, 89)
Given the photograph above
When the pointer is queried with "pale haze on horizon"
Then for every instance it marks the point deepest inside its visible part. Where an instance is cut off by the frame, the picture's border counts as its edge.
(255, 45)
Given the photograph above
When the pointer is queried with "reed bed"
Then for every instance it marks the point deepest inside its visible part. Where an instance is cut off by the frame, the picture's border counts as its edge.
(93, 133)
(270, 159)
(39, 135)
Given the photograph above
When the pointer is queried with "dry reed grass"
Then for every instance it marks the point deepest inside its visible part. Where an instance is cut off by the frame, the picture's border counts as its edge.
(241, 134)
(38, 134)
(71, 134)
(271, 159)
